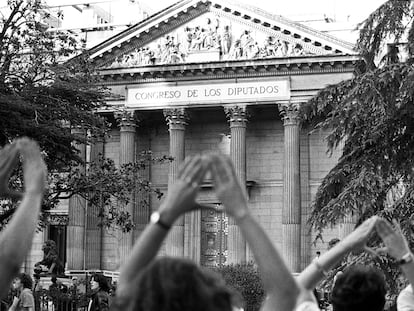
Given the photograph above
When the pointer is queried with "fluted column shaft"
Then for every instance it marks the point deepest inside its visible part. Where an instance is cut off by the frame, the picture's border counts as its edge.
(291, 212)
(236, 245)
(177, 121)
(77, 210)
(93, 230)
(127, 155)
(346, 226)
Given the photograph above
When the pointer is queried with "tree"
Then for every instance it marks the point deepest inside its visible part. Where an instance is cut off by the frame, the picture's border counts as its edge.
(372, 114)
(47, 88)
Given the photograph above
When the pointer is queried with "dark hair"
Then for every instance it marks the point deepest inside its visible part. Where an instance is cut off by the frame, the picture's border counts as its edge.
(102, 281)
(359, 288)
(176, 284)
(26, 280)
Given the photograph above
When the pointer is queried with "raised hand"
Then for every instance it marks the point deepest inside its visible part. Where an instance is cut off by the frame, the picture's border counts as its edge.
(181, 197)
(34, 168)
(358, 238)
(227, 187)
(395, 243)
(9, 156)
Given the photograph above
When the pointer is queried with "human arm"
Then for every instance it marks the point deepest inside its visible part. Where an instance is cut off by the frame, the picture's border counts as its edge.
(396, 245)
(356, 240)
(278, 281)
(180, 199)
(14, 304)
(16, 239)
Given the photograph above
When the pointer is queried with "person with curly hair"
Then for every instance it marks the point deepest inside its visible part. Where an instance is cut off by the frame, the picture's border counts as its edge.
(25, 301)
(176, 284)
(100, 299)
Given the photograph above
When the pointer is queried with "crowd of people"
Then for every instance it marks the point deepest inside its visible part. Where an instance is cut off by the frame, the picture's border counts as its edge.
(151, 283)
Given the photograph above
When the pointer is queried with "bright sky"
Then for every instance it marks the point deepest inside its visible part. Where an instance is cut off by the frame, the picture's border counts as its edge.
(347, 13)
(294, 9)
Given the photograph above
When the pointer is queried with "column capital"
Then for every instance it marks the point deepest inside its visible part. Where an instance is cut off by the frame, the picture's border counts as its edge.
(177, 118)
(126, 119)
(289, 113)
(236, 114)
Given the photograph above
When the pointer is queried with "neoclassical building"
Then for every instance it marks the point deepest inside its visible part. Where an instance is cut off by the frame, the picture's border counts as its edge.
(203, 76)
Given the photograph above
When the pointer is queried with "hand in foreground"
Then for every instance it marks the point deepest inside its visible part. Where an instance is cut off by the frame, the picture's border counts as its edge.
(358, 238)
(9, 157)
(395, 243)
(181, 197)
(34, 168)
(227, 186)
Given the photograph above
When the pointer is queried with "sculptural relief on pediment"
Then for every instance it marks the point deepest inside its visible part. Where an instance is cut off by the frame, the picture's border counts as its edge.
(211, 37)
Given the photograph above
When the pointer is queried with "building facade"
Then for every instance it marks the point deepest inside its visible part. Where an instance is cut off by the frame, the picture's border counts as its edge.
(205, 76)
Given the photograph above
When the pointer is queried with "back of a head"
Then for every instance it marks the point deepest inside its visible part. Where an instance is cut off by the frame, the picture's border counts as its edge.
(172, 284)
(26, 280)
(359, 288)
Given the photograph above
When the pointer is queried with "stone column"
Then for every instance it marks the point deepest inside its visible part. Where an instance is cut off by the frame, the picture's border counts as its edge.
(347, 225)
(126, 155)
(77, 210)
(237, 117)
(93, 230)
(177, 120)
(291, 212)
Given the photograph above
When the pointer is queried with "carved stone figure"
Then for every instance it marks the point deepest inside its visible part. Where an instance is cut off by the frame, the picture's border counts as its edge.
(225, 42)
(50, 263)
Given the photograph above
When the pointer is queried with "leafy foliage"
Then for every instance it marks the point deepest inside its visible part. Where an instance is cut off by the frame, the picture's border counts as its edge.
(109, 187)
(372, 117)
(48, 88)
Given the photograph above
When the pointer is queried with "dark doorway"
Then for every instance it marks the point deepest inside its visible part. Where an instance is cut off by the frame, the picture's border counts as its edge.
(57, 233)
(214, 231)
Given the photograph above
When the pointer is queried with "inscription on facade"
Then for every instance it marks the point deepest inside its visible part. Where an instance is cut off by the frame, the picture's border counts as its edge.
(169, 95)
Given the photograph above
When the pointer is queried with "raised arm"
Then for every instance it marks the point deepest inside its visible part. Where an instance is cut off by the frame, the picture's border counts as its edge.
(396, 246)
(180, 199)
(16, 239)
(278, 281)
(316, 271)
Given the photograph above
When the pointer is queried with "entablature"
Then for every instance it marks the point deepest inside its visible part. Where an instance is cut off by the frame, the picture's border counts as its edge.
(232, 69)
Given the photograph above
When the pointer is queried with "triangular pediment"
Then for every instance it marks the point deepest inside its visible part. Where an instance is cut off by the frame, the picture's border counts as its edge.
(194, 31)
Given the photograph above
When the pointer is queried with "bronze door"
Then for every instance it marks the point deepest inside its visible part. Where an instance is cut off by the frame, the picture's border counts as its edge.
(214, 224)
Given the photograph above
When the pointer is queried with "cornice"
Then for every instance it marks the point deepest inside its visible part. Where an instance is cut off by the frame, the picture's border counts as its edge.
(286, 29)
(146, 37)
(269, 30)
(232, 69)
(278, 18)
